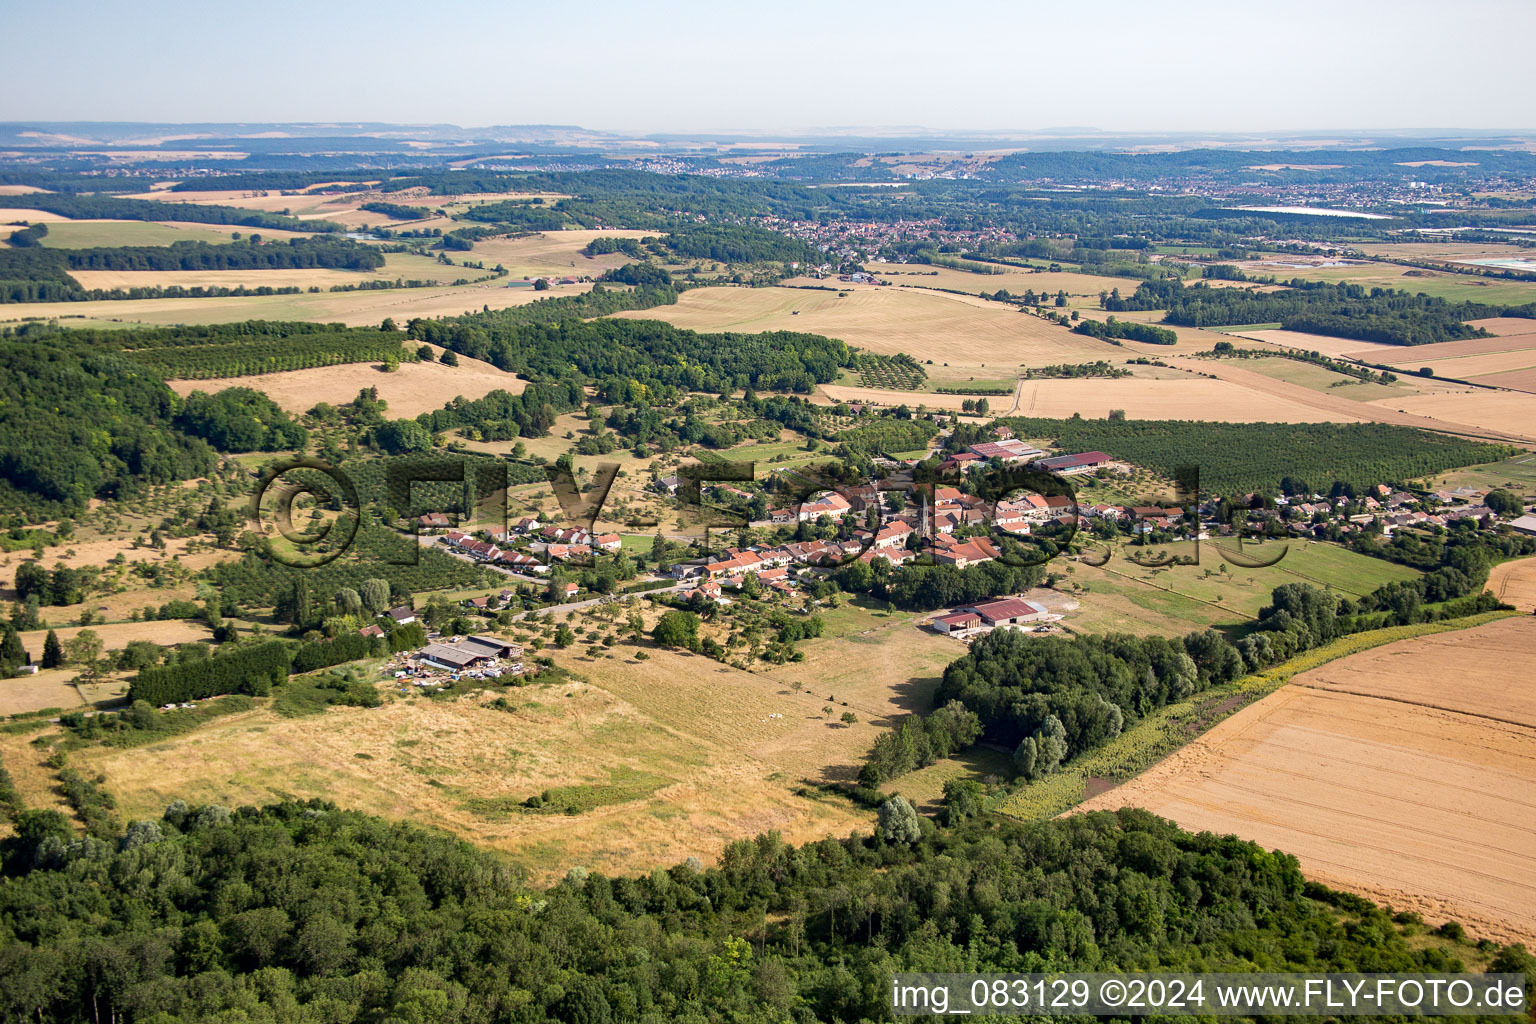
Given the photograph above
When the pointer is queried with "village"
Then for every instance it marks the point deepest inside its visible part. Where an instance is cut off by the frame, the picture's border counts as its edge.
(904, 523)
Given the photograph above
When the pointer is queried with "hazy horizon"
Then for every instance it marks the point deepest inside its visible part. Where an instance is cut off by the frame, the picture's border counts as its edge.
(1119, 67)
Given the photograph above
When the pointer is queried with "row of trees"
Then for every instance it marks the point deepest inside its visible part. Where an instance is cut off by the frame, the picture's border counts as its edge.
(1114, 330)
(643, 350)
(1238, 458)
(297, 253)
(251, 670)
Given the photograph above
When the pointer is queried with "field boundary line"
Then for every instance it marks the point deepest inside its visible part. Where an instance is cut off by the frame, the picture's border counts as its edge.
(1527, 726)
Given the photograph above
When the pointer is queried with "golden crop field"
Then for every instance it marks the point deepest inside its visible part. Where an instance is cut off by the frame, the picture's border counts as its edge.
(413, 389)
(953, 330)
(1381, 778)
(552, 253)
(351, 308)
(1510, 413)
(1514, 583)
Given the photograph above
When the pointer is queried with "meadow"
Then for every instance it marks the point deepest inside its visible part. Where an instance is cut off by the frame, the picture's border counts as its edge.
(412, 389)
(1121, 596)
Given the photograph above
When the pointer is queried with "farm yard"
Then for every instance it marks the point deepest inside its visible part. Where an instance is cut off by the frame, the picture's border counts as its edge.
(1382, 779)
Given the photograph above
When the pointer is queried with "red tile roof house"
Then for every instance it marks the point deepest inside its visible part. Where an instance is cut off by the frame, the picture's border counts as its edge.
(969, 552)
(569, 590)
(608, 541)
(832, 504)
(373, 630)
(434, 521)
(964, 462)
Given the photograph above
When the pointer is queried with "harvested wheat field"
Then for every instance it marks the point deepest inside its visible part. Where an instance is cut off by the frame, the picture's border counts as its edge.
(553, 253)
(1348, 348)
(1406, 774)
(351, 308)
(413, 389)
(951, 330)
(1418, 355)
(1514, 583)
(1469, 365)
(1187, 399)
(1505, 325)
(1510, 413)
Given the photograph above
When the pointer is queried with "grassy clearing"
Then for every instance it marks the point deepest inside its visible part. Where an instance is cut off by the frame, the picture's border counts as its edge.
(1122, 596)
(1170, 727)
(1446, 285)
(92, 234)
(1517, 474)
(1320, 378)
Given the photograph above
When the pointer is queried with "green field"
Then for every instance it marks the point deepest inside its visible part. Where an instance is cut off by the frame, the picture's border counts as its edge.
(1517, 474)
(1450, 286)
(1122, 596)
(1318, 378)
(90, 234)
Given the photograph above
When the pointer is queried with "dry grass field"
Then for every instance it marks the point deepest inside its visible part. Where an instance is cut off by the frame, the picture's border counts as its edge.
(552, 253)
(677, 754)
(413, 389)
(952, 330)
(48, 689)
(351, 308)
(1081, 289)
(661, 744)
(1383, 777)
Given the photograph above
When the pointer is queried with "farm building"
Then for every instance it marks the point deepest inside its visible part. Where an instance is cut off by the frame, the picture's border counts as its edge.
(1082, 462)
(1525, 524)
(1010, 611)
(957, 622)
(470, 652)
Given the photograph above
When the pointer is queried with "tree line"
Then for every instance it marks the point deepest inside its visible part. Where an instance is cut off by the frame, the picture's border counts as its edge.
(104, 207)
(304, 910)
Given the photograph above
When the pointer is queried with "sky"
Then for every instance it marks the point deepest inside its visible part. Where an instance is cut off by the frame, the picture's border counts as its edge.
(1116, 65)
